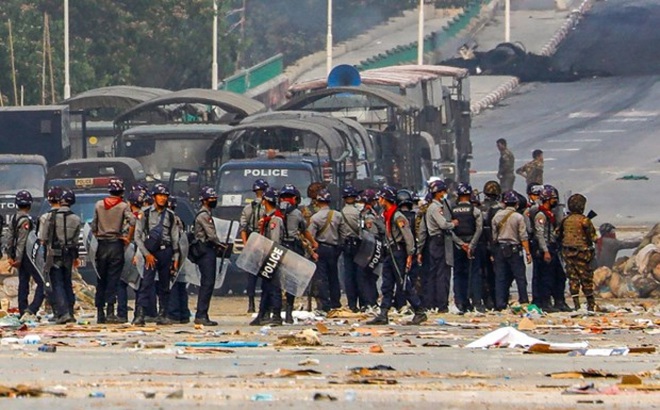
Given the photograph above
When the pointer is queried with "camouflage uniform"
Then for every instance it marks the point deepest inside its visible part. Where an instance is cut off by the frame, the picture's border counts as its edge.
(505, 170)
(532, 172)
(577, 235)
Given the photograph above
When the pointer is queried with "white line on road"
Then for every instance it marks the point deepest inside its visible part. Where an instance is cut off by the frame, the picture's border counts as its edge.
(600, 131)
(562, 149)
(577, 140)
(626, 120)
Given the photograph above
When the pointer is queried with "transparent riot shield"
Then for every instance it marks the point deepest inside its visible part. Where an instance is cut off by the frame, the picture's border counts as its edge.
(262, 257)
(371, 251)
(91, 245)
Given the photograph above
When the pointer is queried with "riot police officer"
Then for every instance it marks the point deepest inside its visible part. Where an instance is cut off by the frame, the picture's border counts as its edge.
(272, 227)
(467, 270)
(490, 206)
(398, 260)
(435, 233)
(158, 239)
(405, 203)
(534, 192)
(372, 223)
(349, 234)
(61, 234)
(178, 310)
(113, 226)
(510, 238)
(577, 236)
(552, 279)
(294, 230)
(324, 228)
(249, 220)
(204, 232)
(20, 226)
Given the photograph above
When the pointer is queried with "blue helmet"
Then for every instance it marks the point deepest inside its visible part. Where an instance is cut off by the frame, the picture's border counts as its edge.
(260, 185)
(349, 191)
(324, 196)
(510, 198)
(437, 186)
(290, 190)
(136, 198)
(207, 192)
(23, 199)
(270, 195)
(116, 185)
(534, 189)
(68, 197)
(549, 192)
(464, 189)
(404, 197)
(368, 195)
(160, 189)
(54, 194)
(388, 193)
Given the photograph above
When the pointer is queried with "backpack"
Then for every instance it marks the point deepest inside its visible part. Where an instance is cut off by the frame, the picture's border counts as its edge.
(155, 235)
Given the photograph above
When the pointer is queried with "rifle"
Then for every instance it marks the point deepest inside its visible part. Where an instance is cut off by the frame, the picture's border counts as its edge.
(50, 255)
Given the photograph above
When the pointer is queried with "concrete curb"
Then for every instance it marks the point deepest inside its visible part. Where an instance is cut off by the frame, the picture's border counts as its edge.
(505, 89)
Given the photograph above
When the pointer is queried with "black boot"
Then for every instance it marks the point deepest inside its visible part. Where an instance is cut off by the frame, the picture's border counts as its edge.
(419, 318)
(162, 319)
(261, 319)
(110, 315)
(205, 321)
(251, 306)
(289, 315)
(562, 306)
(100, 315)
(591, 304)
(138, 319)
(276, 320)
(576, 302)
(381, 319)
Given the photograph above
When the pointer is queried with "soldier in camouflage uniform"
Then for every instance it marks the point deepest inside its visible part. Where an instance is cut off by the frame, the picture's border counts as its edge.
(505, 170)
(533, 170)
(577, 236)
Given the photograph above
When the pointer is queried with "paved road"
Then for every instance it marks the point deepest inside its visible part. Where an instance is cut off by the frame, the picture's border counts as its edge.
(596, 130)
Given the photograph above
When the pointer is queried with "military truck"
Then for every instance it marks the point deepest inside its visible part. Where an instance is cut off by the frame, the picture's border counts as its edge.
(18, 172)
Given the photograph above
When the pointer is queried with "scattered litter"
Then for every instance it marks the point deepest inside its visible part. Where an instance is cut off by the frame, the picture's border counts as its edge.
(10, 322)
(618, 351)
(322, 329)
(590, 373)
(376, 368)
(372, 380)
(20, 390)
(149, 394)
(309, 362)
(590, 388)
(633, 178)
(376, 349)
(262, 397)
(350, 395)
(150, 345)
(526, 324)
(284, 373)
(48, 348)
(510, 337)
(436, 344)
(345, 313)
(234, 344)
(177, 394)
(546, 348)
(307, 337)
(324, 397)
(57, 391)
(265, 330)
(97, 395)
(206, 350)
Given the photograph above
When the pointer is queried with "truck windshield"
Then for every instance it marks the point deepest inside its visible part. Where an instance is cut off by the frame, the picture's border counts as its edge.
(159, 156)
(84, 206)
(239, 181)
(15, 177)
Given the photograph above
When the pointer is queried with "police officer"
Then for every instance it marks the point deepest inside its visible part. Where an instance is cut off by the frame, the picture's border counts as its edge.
(552, 279)
(435, 233)
(178, 310)
(479, 255)
(272, 227)
(509, 234)
(61, 234)
(349, 233)
(113, 225)
(324, 228)
(577, 236)
(467, 270)
(534, 192)
(250, 216)
(295, 229)
(20, 226)
(398, 260)
(405, 203)
(490, 206)
(157, 238)
(371, 222)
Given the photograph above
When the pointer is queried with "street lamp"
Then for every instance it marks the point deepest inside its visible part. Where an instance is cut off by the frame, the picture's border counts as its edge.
(420, 34)
(507, 21)
(67, 85)
(328, 61)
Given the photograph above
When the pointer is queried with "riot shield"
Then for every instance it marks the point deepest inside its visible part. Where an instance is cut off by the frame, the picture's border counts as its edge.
(130, 274)
(371, 251)
(262, 257)
(37, 256)
(91, 245)
(226, 230)
(183, 257)
(194, 276)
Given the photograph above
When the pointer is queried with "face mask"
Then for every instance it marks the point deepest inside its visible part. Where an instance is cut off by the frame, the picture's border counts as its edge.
(360, 206)
(284, 206)
(213, 204)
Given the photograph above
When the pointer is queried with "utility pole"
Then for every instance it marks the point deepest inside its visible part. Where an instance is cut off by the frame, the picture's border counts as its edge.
(214, 64)
(507, 21)
(13, 62)
(328, 62)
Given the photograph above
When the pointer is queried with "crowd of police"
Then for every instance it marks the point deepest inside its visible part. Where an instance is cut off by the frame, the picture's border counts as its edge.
(417, 245)
(484, 243)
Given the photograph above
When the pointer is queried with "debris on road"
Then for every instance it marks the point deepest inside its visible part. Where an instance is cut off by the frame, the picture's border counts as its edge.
(307, 337)
(234, 344)
(587, 373)
(286, 373)
(510, 337)
(309, 362)
(324, 397)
